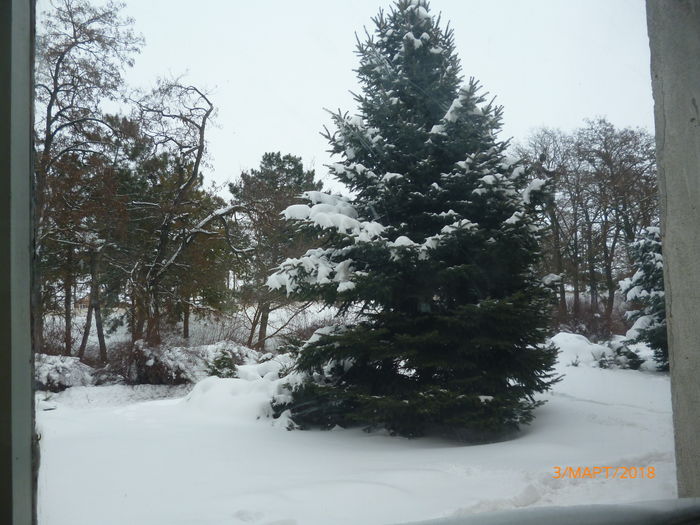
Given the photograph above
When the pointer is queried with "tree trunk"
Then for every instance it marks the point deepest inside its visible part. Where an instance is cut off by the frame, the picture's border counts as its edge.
(563, 311)
(36, 287)
(253, 327)
(68, 301)
(37, 308)
(611, 285)
(39, 193)
(140, 323)
(186, 320)
(576, 283)
(95, 301)
(592, 280)
(262, 333)
(153, 316)
(607, 271)
(558, 263)
(86, 331)
(592, 286)
(100, 334)
(132, 317)
(610, 301)
(138, 317)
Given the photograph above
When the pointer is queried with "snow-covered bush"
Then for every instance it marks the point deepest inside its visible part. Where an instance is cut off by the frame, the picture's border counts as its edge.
(223, 365)
(577, 350)
(179, 365)
(56, 372)
(645, 289)
(108, 375)
(620, 356)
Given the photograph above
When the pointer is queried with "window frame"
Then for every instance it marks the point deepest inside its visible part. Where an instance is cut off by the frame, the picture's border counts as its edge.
(17, 470)
(18, 441)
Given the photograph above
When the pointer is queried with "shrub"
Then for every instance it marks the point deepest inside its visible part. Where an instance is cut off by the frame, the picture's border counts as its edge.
(56, 373)
(223, 365)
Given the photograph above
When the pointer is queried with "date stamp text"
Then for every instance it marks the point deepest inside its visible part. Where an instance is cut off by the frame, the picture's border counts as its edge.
(604, 472)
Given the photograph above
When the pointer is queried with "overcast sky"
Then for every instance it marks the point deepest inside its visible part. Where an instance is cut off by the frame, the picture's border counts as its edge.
(272, 66)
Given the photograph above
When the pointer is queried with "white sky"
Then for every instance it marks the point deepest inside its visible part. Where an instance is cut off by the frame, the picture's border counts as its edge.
(273, 65)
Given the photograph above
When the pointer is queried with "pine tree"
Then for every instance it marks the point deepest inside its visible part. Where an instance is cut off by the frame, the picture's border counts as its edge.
(263, 193)
(646, 288)
(435, 250)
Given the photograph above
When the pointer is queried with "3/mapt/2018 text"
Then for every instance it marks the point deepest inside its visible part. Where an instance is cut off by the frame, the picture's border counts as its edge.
(604, 472)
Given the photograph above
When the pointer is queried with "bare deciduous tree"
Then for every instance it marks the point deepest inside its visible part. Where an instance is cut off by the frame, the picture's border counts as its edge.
(175, 118)
(604, 186)
(81, 53)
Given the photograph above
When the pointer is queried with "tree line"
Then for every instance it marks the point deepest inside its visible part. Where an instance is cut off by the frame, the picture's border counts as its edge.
(124, 223)
(604, 194)
(122, 218)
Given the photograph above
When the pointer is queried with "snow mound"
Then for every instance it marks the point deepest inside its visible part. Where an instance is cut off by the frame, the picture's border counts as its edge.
(230, 397)
(56, 372)
(180, 365)
(575, 349)
(245, 398)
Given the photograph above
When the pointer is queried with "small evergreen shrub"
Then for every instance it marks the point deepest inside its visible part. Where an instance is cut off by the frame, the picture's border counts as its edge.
(645, 290)
(55, 373)
(223, 365)
(620, 356)
(181, 365)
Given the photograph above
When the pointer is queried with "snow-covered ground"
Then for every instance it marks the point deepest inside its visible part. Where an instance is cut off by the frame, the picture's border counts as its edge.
(213, 458)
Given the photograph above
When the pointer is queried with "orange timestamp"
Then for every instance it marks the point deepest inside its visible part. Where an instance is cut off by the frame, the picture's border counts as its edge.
(606, 472)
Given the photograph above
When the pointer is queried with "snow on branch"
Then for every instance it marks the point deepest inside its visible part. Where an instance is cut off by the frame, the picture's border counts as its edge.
(334, 212)
(315, 267)
(200, 227)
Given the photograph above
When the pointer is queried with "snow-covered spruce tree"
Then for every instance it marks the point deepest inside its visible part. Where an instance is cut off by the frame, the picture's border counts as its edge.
(646, 289)
(435, 248)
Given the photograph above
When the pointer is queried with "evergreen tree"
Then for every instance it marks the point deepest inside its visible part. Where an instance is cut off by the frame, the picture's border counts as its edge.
(435, 249)
(646, 288)
(262, 195)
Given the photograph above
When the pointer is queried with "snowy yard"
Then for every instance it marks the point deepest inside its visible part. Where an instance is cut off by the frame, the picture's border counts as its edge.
(111, 458)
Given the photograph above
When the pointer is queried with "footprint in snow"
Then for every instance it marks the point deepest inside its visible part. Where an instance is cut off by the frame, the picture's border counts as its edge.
(248, 516)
